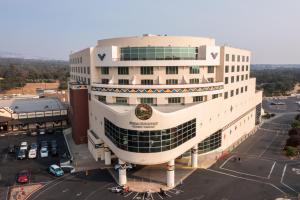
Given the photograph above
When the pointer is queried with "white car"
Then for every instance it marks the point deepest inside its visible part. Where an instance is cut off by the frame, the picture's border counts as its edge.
(24, 146)
(42, 131)
(44, 152)
(32, 153)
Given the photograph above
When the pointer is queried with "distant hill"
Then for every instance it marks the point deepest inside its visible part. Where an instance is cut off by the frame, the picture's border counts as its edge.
(273, 66)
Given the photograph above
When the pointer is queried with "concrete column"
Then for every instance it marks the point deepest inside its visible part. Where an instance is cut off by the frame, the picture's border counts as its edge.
(102, 153)
(171, 173)
(107, 156)
(194, 152)
(122, 173)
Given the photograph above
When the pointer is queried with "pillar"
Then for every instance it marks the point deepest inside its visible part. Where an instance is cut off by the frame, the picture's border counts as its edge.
(122, 173)
(107, 156)
(102, 153)
(171, 173)
(194, 156)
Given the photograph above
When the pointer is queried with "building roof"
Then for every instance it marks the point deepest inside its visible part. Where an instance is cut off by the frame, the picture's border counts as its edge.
(32, 105)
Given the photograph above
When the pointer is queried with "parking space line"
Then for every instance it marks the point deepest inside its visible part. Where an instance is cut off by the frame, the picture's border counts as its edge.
(92, 193)
(159, 195)
(271, 170)
(225, 162)
(136, 195)
(269, 144)
(282, 177)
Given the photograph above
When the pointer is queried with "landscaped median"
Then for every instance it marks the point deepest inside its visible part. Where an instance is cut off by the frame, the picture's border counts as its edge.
(22, 192)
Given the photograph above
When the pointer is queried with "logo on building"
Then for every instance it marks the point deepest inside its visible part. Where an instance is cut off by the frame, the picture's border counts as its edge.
(101, 56)
(143, 111)
(214, 55)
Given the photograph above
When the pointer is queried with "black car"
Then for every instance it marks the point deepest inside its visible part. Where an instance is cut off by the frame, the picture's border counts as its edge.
(21, 154)
(11, 149)
(54, 151)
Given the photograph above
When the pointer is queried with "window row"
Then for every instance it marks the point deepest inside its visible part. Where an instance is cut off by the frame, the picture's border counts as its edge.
(149, 70)
(236, 91)
(150, 141)
(236, 58)
(159, 53)
(77, 60)
(238, 68)
(82, 70)
(237, 78)
(81, 79)
(211, 143)
(151, 81)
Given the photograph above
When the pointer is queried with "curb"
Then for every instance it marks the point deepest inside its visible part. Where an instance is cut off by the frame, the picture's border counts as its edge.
(70, 152)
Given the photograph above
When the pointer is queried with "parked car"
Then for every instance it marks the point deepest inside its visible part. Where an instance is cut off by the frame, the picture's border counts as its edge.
(21, 154)
(33, 133)
(54, 151)
(24, 146)
(44, 152)
(34, 146)
(11, 149)
(55, 170)
(23, 176)
(68, 168)
(32, 153)
(42, 131)
(50, 131)
(44, 144)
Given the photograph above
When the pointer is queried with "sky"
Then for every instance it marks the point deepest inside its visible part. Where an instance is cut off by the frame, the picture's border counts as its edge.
(54, 28)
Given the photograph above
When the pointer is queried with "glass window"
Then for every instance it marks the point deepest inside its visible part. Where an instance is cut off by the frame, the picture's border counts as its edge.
(231, 93)
(211, 80)
(238, 58)
(146, 82)
(246, 76)
(233, 58)
(172, 81)
(226, 80)
(214, 96)
(232, 79)
(210, 143)
(194, 81)
(174, 100)
(225, 95)
(226, 69)
(246, 88)
(237, 78)
(197, 98)
(238, 68)
(123, 82)
(123, 70)
(227, 57)
(232, 68)
(194, 70)
(171, 70)
(146, 100)
(242, 77)
(247, 59)
(104, 81)
(104, 70)
(237, 91)
(146, 70)
(121, 100)
(102, 98)
(210, 69)
(247, 68)
(243, 59)
(242, 89)
(243, 68)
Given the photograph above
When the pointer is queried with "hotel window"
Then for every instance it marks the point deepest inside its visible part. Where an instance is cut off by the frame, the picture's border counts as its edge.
(237, 78)
(121, 100)
(198, 99)
(226, 80)
(211, 80)
(242, 90)
(214, 96)
(84, 70)
(231, 93)
(232, 68)
(194, 81)
(146, 70)
(210, 143)
(174, 100)
(123, 82)
(246, 88)
(88, 70)
(194, 70)
(171, 70)
(146, 100)
(243, 59)
(225, 95)
(172, 82)
(247, 59)
(210, 69)
(104, 81)
(123, 70)
(238, 68)
(242, 77)
(104, 70)
(102, 98)
(246, 76)
(237, 91)
(146, 82)
(80, 59)
(89, 81)
(233, 58)
(238, 58)
(243, 68)
(227, 57)
(226, 69)
(247, 67)
(232, 79)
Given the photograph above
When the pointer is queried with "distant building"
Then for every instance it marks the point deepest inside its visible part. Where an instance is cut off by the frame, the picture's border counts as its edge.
(17, 113)
(151, 99)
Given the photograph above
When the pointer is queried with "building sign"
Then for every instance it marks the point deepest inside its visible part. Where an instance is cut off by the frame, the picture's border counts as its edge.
(143, 111)
(101, 56)
(39, 114)
(143, 124)
(214, 55)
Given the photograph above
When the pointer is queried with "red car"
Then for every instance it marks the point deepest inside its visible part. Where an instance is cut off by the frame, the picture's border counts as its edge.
(23, 176)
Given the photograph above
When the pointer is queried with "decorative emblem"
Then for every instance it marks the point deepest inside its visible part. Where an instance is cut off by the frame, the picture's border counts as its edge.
(214, 55)
(101, 56)
(143, 111)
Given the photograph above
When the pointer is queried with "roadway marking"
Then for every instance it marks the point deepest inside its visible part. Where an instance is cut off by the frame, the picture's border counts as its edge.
(282, 177)
(92, 193)
(269, 145)
(226, 161)
(271, 170)
(128, 194)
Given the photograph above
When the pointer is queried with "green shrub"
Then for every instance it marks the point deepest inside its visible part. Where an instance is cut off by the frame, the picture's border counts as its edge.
(291, 151)
(296, 124)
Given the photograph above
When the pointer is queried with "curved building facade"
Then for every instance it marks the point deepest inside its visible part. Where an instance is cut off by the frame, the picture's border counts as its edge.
(153, 98)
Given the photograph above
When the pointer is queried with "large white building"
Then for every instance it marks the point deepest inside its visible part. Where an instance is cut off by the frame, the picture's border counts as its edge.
(152, 98)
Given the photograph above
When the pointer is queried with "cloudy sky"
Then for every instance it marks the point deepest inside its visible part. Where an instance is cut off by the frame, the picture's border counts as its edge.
(54, 28)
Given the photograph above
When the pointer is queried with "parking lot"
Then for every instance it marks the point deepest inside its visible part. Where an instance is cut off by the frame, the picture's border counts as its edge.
(10, 165)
